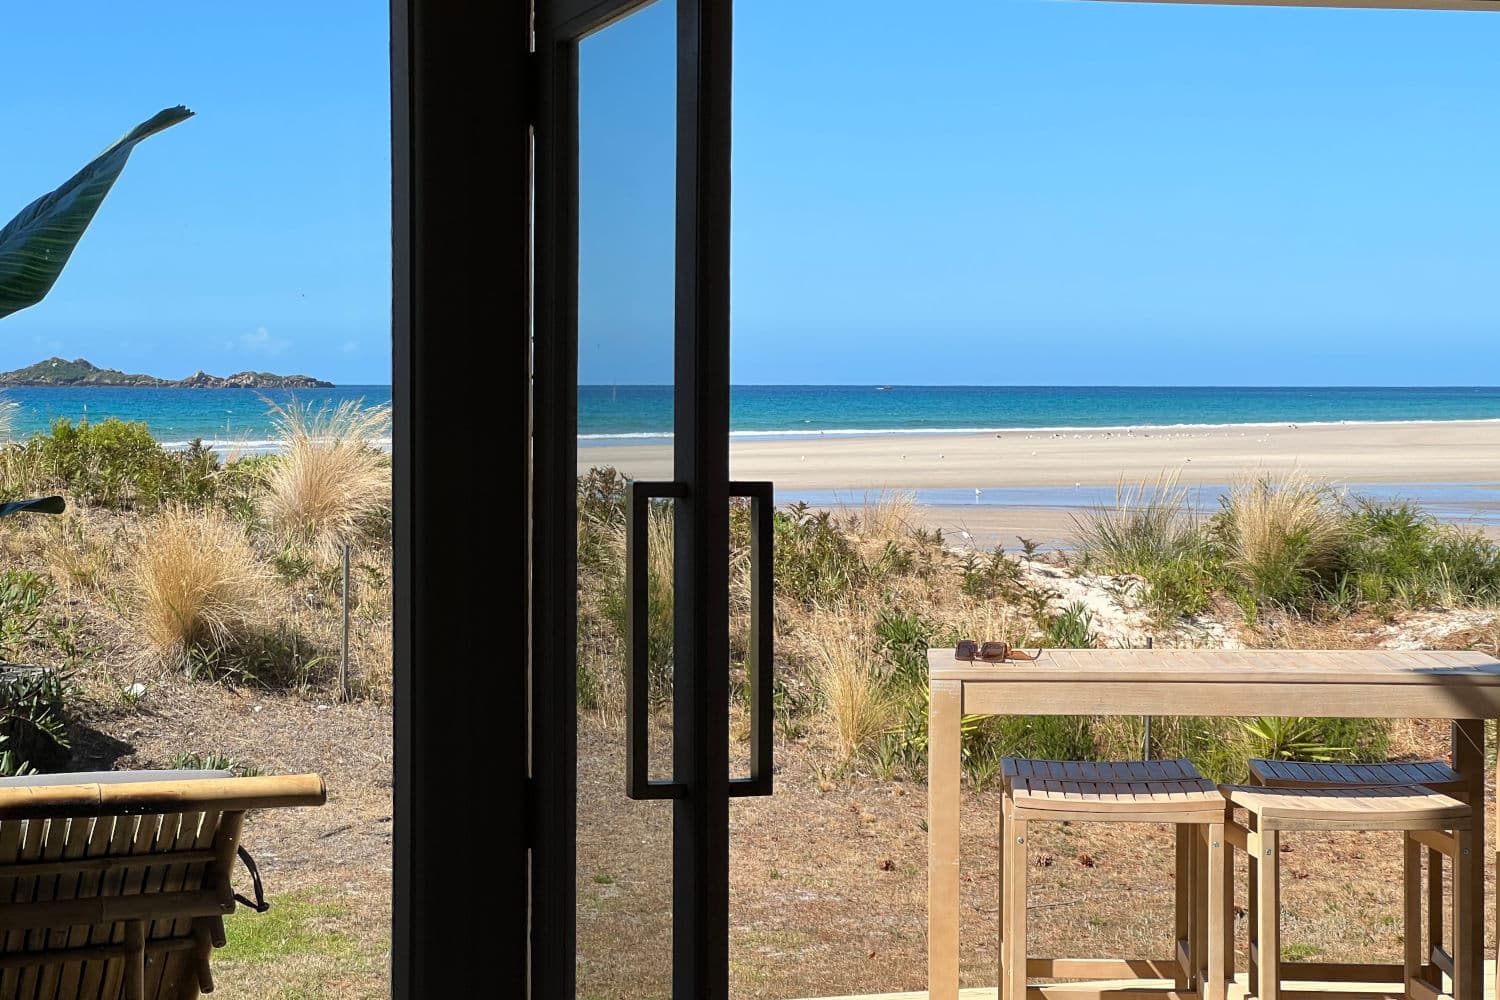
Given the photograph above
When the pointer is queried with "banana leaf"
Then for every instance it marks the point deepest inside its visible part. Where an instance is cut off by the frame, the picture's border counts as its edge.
(35, 245)
(42, 505)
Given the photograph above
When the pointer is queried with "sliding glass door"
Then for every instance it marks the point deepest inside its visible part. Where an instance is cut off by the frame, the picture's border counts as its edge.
(631, 504)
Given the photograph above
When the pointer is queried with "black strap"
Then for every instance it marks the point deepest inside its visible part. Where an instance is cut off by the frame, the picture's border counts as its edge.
(260, 905)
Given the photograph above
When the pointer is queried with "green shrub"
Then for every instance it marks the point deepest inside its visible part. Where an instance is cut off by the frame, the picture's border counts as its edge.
(112, 464)
(33, 720)
(815, 563)
(1400, 555)
(22, 596)
(213, 761)
(1073, 628)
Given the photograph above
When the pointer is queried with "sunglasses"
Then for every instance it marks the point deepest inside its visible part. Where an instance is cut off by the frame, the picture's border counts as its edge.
(990, 652)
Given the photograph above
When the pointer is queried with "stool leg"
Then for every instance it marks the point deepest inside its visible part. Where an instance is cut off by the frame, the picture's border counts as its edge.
(1433, 974)
(1411, 892)
(1252, 914)
(1000, 878)
(1015, 908)
(1186, 901)
(1198, 932)
(1228, 906)
(1468, 974)
(1268, 914)
(1213, 983)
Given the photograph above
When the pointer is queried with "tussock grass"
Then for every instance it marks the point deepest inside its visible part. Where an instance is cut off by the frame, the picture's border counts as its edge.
(886, 516)
(198, 584)
(1152, 532)
(328, 484)
(1284, 539)
(1149, 524)
(850, 682)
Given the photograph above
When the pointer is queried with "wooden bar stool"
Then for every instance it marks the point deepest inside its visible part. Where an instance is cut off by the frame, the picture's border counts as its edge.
(1425, 818)
(1158, 791)
(1432, 774)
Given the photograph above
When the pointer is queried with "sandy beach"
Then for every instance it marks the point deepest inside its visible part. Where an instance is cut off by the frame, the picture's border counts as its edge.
(1431, 452)
(1417, 452)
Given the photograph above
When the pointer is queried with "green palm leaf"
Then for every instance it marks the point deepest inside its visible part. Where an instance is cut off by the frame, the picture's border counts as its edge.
(35, 245)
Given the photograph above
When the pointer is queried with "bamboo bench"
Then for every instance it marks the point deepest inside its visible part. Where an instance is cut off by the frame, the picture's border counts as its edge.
(116, 883)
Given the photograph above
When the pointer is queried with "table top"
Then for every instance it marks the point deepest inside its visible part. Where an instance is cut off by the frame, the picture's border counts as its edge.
(1230, 666)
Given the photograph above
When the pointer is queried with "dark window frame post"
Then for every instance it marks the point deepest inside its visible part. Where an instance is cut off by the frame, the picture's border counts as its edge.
(460, 166)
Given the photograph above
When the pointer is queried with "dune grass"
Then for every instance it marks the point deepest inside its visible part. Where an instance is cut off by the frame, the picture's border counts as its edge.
(1152, 531)
(328, 484)
(855, 696)
(197, 583)
(1284, 539)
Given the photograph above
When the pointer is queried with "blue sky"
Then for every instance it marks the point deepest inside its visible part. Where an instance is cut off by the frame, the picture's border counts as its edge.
(1038, 191)
(255, 235)
(1065, 193)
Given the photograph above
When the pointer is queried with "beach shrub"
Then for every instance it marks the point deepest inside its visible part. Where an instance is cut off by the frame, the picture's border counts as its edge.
(814, 560)
(33, 720)
(1149, 523)
(22, 596)
(212, 761)
(1151, 532)
(1400, 555)
(1285, 540)
(1073, 628)
(198, 584)
(328, 486)
(111, 464)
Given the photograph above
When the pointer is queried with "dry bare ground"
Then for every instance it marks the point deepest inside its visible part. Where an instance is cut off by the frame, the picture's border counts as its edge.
(828, 884)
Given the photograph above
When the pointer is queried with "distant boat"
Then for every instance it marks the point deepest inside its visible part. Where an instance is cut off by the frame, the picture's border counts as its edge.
(882, 388)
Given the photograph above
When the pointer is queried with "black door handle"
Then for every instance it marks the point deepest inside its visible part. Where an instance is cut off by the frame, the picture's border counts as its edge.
(761, 657)
(638, 783)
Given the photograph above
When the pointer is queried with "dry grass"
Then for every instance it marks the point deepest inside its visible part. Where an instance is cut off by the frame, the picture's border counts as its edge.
(983, 620)
(1282, 535)
(886, 516)
(849, 681)
(77, 553)
(197, 582)
(328, 483)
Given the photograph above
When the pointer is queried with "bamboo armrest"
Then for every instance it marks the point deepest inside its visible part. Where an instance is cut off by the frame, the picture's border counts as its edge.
(221, 794)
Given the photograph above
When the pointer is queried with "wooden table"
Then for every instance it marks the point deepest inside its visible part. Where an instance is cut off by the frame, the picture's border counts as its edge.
(1385, 684)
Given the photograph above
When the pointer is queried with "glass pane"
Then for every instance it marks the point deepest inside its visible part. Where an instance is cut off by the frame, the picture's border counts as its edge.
(627, 108)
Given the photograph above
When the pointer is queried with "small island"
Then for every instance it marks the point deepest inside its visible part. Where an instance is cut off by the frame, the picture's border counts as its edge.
(81, 373)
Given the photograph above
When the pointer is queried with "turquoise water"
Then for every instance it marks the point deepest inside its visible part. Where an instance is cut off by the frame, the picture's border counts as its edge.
(225, 418)
(644, 413)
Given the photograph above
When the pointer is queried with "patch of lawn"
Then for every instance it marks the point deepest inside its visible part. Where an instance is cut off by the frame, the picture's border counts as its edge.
(293, 950)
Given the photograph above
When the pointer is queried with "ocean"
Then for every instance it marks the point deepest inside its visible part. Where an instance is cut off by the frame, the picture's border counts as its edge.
(225, 418)
(616, 414)
(240, 418)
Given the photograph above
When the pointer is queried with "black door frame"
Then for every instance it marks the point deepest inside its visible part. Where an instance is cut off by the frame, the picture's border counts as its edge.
(700, 827)
(461, 291)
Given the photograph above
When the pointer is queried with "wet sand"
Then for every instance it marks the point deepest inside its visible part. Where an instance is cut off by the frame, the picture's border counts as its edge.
(1418, 452)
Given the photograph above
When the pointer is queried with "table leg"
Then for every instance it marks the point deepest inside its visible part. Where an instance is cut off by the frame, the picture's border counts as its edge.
(944, 749)
(1468, 871)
